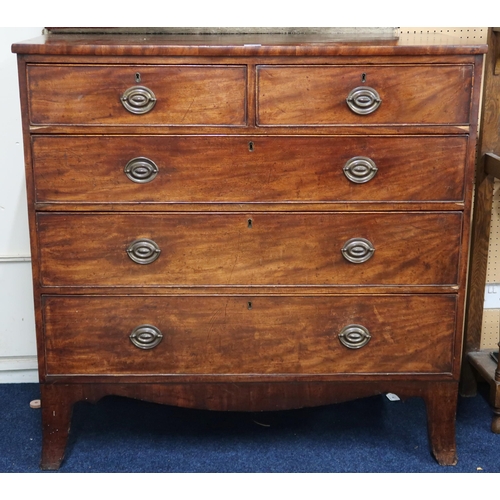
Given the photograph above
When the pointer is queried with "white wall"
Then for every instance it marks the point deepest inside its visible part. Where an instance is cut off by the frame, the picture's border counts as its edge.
(17, 325)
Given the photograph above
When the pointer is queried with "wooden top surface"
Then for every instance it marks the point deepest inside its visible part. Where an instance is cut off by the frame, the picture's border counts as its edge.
(241, 45)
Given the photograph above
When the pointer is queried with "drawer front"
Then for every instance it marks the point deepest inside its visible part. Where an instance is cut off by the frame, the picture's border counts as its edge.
(238, 335)
(97, 95)
(249, 249)
(317, 95)
(200, 169)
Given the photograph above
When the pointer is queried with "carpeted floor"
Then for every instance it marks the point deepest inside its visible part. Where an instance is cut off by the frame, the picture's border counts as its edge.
(123, 435)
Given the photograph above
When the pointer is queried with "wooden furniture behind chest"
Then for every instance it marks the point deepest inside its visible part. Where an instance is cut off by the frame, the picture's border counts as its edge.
(248, 223)
(483, 364)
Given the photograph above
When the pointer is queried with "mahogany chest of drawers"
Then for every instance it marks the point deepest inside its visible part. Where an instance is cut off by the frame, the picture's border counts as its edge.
(248, 223)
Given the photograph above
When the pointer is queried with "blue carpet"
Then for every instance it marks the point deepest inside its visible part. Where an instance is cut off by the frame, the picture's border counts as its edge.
(124, 435)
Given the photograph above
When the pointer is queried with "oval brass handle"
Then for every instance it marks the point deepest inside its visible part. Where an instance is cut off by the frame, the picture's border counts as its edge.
(363, 100)
(138, 100)
(143, 251)
(354, 336)
(141, 170)
(146, 336)
(358, 250)
(360, 169)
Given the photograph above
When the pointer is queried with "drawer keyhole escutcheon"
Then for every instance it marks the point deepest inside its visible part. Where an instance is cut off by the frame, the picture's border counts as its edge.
(146, 336)
(249, 305)
(141, 170)
(363, 77)
(137, 78)
(358, 250)
(251, 146)
(143, 251)
(138, 100)
(360, 169)
(354, 336)
(363, 100)
(250, 223)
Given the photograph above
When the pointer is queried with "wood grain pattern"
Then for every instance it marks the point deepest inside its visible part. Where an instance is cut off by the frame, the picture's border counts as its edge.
(239, 45)
(58, 400)
(222, 335)
(410, 94)
(252, 129)
(206, 169)
(279, 249)
(186, 95)
(215, 95)
(441, 406)
(488, 142)
(490, 132)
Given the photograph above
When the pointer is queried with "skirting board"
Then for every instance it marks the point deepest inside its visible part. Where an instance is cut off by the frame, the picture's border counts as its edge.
(18, 369)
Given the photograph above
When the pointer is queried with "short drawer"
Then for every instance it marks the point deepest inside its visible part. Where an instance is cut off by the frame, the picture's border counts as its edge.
(248, 335)
(249, 249)
(378, 94)
(122, 95)
(255, 169)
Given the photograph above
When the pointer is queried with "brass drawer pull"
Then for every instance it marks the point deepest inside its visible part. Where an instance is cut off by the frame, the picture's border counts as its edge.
(141, 170)
(358, 250)
(143, 251)
(354, 336)
(360, 169)
(146, 336)
(138, 100)
(363, 100)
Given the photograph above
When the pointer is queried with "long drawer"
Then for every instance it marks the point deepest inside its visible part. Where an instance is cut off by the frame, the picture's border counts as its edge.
(239, 169)
(137, 95)
(252, 335)
(405, 248)
(396, 94)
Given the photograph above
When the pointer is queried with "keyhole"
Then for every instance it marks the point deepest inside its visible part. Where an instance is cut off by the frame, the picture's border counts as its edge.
(363, 77)
(250, 146)
(249, 305)
(250, 223)
(138, 78)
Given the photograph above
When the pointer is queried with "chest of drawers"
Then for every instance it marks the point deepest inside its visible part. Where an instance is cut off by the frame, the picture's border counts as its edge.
(229, 225)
